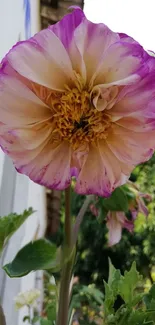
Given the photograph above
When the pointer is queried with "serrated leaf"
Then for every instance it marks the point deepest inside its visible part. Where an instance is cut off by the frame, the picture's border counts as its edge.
(9, 224)
(37, 255)
(140, 317)
(109, 300)
(111, 289)
(128, 284)
(114, 274)
(117, 202)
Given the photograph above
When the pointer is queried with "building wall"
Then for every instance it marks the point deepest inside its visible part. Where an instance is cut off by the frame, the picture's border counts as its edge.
(18, 20)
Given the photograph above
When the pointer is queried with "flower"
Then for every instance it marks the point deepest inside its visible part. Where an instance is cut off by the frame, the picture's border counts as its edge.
(27, 298)
(94, 210)
(78, 100)
(116, 221)
(137, 204)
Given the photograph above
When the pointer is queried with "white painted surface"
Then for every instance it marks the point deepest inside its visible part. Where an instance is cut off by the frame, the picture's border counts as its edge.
(17, 192)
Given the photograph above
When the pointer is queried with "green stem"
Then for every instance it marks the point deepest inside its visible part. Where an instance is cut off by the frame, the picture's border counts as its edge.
(62, 318)
(30, 320)
(64, 294)
(79, 218)
(70, 239)
(67, 225)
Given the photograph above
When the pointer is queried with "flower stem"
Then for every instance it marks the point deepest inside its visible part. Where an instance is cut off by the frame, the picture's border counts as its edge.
(30, 319)
(2, 317)
(79, 218)
(70, 239)
(68, 260)
(67, 217)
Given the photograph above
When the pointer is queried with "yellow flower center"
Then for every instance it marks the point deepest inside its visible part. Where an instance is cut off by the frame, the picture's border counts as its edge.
(76, 115)
(76, 119)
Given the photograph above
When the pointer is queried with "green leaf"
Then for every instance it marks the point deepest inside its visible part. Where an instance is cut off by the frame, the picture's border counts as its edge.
(9, 224)
(35, 319)
(44, 321)
(37, 255)
(111, 289)
(149, 299)
(94, 293)
(109, 300)
(51, 312)
(26, 318)
(140, 317)
(117, 202)
(128, 284)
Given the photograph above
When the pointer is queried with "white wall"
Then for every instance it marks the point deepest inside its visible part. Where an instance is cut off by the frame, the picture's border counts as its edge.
(11, 24)
(17, 192)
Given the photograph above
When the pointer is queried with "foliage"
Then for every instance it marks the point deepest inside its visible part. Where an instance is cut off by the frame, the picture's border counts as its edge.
(93, 252)
(136, 308)
(37, 255)
(9, 224)
(86, 302)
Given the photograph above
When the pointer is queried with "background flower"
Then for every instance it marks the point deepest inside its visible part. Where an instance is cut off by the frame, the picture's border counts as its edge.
(26, 298)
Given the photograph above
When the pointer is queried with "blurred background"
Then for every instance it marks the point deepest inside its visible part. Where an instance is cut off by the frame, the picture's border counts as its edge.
(20, 19)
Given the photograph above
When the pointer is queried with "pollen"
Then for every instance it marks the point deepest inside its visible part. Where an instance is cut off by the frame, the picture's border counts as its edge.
(76, 119)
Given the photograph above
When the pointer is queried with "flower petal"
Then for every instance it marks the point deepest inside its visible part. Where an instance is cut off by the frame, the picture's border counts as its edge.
(115, 222)
(42, 59)
(137, 98)
(129, 147)
(122, 64)
(115, 229)
(106, 170)
(51, 167)
(92, 40)
(47, 164)
(139, 124)
(65, 28)
(19, 105)
(96, 184)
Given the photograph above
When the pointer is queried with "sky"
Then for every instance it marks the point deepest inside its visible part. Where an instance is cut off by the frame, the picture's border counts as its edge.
(133, 17)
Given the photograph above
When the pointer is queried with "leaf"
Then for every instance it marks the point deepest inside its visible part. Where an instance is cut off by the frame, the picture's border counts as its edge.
(117, 202)
(94, 293)
(26, 318)
(128, 284)
(109, 300)
(149, 299)
(51, 312)
(37, 255)
(140, 317)
(9, 224)
(35, 319)
(44, 321)
(111, 289)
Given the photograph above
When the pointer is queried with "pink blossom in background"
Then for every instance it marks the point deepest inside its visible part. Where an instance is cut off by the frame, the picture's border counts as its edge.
(78, 100)
(116, 221)
(138, 204)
